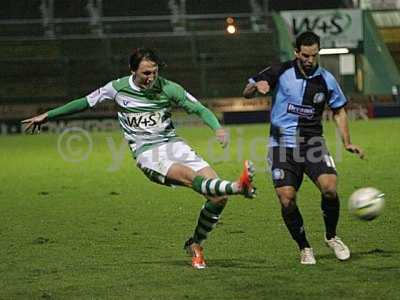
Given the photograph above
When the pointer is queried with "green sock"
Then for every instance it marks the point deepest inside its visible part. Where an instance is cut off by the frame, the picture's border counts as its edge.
(208, 219)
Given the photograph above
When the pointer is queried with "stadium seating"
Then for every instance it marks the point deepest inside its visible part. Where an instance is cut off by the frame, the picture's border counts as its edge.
(216, 6)
(209, 65)
(21, 9)
(205, 59)
(391, 36)
(135, 8)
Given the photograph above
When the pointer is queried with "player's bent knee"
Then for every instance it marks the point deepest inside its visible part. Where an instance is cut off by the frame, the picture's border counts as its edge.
(329, 193)
(327, 184)
(287, 198)
(287, 202)
(286, 195)
(329, 190)
(207, 172)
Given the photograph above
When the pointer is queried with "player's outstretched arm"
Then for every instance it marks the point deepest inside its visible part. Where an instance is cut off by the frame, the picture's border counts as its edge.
(75, 106)
(340, 117)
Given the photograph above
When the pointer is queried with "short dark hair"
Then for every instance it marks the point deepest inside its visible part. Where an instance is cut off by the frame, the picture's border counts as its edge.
(139, 54)
(307, 38)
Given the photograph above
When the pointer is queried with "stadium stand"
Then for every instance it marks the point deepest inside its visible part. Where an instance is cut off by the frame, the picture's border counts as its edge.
(135, 8)
(73, 55)
(217, 6)
(307, 4)
(21, 9)
(388, 23)
(70, 9)
(391, 36)
(204, 58)
(218, 70)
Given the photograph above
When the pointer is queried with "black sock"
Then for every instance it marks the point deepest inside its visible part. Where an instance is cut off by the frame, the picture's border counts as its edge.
(330, 209)
(294, 222)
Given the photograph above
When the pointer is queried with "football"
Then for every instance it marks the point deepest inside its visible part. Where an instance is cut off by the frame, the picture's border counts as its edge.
(366, 203)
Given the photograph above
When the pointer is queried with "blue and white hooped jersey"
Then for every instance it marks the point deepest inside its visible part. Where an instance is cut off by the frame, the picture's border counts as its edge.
(298, 101)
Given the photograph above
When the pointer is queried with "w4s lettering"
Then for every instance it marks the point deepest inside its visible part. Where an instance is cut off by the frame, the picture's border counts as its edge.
(143, 120)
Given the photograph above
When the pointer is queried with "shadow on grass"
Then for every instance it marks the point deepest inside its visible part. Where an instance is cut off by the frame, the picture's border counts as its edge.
(215, 263)
(363, 254)
(264, 264)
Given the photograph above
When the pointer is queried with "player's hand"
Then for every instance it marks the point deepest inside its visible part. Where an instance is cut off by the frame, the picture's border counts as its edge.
(34, 123)
(356, 150)
(222, 137)
(262, 87)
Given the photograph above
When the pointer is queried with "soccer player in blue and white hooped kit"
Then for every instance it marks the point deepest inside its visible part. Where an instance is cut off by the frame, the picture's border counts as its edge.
(301, 89)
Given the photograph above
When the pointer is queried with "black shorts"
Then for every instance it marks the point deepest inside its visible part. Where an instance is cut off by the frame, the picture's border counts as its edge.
(288, 165)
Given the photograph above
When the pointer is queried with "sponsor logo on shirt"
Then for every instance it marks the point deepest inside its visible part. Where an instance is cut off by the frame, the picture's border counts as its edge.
(278, 174)
(301, 110)
(319, 98)
(143, 120)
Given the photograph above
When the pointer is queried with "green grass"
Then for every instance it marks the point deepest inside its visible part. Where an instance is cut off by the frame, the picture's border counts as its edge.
(100, 230)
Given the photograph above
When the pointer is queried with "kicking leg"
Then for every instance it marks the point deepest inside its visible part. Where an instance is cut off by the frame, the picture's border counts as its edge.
(183, 175)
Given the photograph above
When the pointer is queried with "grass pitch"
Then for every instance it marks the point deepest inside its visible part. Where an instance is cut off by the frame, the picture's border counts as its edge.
(84, 223)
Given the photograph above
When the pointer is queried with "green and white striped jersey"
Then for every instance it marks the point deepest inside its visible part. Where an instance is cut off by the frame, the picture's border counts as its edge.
(145, 115)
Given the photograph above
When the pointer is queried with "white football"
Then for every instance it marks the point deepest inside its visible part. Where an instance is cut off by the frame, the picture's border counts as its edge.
(366, 203)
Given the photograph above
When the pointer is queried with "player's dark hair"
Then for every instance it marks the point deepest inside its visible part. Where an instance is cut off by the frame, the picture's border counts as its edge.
(139, 54)
(307, 38)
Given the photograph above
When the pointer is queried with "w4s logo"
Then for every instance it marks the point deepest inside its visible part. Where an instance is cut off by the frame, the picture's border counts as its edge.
(143, 120)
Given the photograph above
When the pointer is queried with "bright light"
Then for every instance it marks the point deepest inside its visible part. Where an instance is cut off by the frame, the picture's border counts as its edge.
(231, 29)
(230, 20)
(333, 51)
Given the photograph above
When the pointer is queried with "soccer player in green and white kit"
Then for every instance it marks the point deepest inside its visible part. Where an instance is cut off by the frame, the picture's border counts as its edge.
(144, 102)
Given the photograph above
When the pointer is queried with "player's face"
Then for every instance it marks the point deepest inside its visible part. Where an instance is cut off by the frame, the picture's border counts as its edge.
(308, 57)
(146, 74)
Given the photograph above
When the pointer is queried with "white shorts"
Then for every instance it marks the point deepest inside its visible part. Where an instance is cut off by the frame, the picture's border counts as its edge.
(156, 162)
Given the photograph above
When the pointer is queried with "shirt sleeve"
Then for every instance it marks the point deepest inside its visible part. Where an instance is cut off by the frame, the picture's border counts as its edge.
(336, 97)
(70, 108)
(107, 92)
(191, 105)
